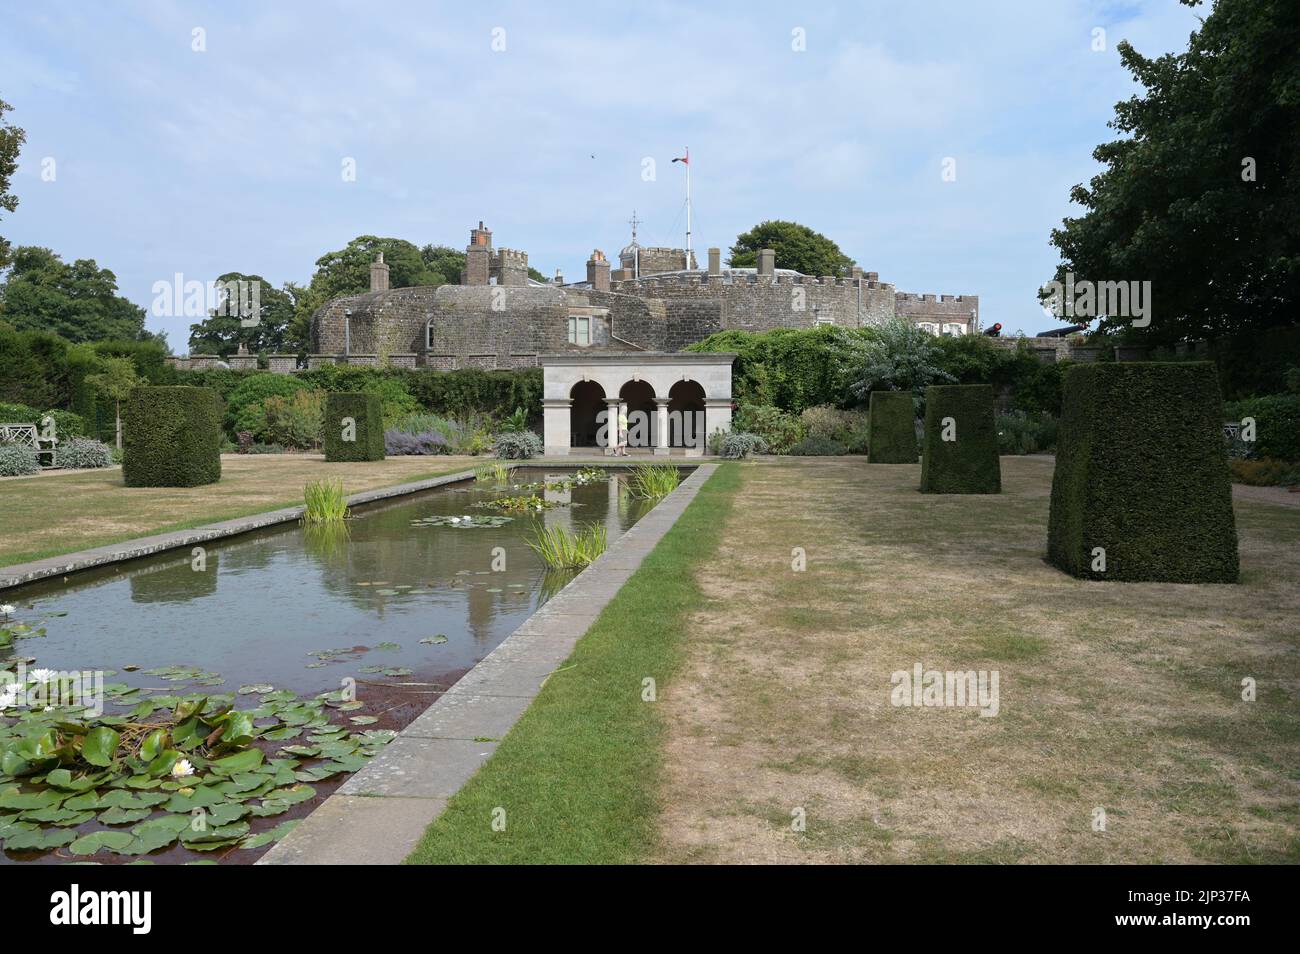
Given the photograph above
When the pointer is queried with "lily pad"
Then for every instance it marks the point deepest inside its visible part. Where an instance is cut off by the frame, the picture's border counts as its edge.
(100, 841)
(269, 836)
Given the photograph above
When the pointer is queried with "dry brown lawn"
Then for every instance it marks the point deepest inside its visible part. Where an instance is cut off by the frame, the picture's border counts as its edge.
(1120, 697)
(59, 513)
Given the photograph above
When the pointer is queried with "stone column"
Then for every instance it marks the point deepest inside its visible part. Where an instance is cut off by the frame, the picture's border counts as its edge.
(717, 417)
(611, 425)
(661, 426)
(556, 426)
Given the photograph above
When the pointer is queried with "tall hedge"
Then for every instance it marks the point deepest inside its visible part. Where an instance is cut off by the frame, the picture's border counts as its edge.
(891, 428)
(171, 437)
(959, 452)
(1141, 474)
(366, 428)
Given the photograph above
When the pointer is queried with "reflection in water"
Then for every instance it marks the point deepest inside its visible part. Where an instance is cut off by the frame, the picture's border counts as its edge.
(326, 542)
(265, 601)
(179, 580)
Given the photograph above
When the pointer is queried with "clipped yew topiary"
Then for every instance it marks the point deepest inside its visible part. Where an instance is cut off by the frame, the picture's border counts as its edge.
(171, 437)
(959, 452)
(891, 428)
(1141, 490)
(354, 426)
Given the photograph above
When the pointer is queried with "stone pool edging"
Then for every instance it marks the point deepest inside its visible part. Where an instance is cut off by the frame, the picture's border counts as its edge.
(380, 813)
(21, 573)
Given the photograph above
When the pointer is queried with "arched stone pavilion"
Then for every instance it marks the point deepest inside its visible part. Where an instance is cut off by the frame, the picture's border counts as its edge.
(675, 400)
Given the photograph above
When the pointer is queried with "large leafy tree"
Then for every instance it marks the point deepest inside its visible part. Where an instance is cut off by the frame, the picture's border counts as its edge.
(11, 140)
(1201, 195)
(78, 301)
(222, 332)
(347, 272)
(796, 246)
(446, 263)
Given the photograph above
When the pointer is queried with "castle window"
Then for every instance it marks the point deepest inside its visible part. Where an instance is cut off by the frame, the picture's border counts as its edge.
(579, 330)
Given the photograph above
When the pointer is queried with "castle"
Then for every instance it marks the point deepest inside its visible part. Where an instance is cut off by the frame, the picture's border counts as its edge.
(657, 301)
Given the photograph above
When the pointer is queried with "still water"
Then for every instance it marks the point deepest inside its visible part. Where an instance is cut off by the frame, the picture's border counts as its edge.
(290, 608)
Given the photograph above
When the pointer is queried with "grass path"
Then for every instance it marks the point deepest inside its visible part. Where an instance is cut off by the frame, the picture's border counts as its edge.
(50, 515)
(1119, 697)
(578, 774)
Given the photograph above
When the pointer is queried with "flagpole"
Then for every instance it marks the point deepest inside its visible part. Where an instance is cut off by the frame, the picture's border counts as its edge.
(688, 206)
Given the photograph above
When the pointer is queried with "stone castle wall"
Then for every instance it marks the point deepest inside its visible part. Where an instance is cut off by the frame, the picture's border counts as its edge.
(936, 308)
(752, 302)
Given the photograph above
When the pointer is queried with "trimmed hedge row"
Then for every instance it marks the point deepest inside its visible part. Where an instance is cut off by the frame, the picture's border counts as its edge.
(891, 428)
(354, 426)
(1141, 485)
(959, 452)
(171, 437)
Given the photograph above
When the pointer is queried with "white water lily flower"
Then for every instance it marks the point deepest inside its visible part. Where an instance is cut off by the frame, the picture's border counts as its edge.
(7, 609)
(43, 675)
(467, 519)
(9, 695)
(182, 769)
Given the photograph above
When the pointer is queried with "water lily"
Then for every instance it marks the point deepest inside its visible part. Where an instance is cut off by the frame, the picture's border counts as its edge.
(455, 519)
(43, 675)
(182, 769)
(7, 609)
(9, 693)
(467, 519)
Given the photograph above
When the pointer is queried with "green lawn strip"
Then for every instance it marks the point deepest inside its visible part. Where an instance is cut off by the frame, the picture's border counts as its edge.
(578, 775)
(201, 521)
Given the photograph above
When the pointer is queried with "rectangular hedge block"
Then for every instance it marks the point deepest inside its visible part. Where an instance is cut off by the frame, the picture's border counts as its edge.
(891, 428)
(354, 426)
(959, 452)
(1142, 477)
(171, 437)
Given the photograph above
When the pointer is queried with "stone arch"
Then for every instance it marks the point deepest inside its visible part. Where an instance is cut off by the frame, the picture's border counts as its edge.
(686, 414)
(639, 396)
(588, 401)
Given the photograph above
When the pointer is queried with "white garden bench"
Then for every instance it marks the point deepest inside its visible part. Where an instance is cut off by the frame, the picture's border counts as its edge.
(28, 435)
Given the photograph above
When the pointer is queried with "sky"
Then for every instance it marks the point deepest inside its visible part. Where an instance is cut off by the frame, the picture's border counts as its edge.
(202, 138)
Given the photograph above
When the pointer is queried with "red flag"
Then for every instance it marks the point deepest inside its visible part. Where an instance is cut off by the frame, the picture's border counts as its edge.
(686, 159)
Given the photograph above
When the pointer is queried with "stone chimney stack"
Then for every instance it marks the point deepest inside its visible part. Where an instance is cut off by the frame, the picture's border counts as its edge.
(766, 261)
(598, 271)
(378, 274)
(715, 261)
(477, 256)
(559, 279)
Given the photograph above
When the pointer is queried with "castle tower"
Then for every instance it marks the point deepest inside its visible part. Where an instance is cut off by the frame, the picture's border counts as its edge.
(478, 256)
(379, 274)
(508, 266)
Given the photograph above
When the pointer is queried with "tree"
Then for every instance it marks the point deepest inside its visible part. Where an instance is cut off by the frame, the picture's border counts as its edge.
(796, 246)
(11, 140)
(347, 271)
(901, 356)
(77, 301)
(222, 333)
(117, 380)
(1201, 196)
(444, 262)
